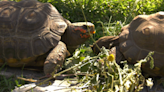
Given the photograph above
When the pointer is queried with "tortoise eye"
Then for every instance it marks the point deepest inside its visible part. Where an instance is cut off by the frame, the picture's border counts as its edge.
(85, 26)
(146, 31)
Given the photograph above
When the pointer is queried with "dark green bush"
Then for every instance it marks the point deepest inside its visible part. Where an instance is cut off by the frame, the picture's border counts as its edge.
(99, 12)
(102, 10)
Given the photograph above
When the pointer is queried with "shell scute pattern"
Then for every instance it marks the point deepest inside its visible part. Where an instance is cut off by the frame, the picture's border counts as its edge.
(144, 34)
(8, 18)
(24, 48)
(28, 29)
(32, 21)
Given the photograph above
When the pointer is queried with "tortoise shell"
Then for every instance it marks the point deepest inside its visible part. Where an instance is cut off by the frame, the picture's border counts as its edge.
(28, 29)
(145, 33)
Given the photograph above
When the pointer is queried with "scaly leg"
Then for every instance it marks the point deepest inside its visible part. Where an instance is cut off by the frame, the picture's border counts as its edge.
(106, 41)
(55, 59)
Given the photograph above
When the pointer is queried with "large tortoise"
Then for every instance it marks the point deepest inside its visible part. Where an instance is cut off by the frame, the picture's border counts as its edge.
(35, 34)
(145, 33)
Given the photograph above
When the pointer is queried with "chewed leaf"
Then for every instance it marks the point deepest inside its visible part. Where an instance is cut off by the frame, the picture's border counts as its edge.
(151, 63)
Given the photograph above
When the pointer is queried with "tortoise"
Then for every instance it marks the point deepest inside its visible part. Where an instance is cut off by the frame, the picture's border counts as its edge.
(143, 34)
(35, 34)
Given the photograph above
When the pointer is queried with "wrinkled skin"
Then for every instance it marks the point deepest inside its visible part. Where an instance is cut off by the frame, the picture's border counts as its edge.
(106, 41)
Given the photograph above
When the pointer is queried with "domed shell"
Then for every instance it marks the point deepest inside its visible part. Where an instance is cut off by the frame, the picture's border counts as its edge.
(144, 34)
(28, 29)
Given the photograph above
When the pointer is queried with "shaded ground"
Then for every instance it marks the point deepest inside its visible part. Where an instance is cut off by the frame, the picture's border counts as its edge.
(57, 85)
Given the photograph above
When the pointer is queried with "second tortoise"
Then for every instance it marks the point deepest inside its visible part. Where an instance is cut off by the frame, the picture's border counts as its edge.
(145, 33)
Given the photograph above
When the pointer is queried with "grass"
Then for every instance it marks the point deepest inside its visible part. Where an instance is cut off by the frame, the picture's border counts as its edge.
(6, 84)
(107, 15)
(9, 83)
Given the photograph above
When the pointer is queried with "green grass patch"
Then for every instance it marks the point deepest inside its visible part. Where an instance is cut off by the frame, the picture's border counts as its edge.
(7, 84)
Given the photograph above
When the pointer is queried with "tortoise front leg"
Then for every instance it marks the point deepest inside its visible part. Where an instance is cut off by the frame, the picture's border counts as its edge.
(55, 59)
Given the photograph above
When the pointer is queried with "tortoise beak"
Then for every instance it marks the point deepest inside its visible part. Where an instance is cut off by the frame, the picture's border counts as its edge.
(93, 32)
(90, 27)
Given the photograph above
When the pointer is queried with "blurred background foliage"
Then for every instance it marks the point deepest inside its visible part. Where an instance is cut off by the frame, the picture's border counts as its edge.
(102, 10)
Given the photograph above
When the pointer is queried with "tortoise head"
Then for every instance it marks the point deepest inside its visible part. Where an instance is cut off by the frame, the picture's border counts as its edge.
(78, 33)
(83, 29)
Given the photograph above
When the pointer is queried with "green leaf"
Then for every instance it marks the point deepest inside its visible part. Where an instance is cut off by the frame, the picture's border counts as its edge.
(151, 63)
(82, 58)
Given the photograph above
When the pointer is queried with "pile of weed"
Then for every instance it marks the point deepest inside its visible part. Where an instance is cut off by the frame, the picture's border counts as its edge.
(102, 74)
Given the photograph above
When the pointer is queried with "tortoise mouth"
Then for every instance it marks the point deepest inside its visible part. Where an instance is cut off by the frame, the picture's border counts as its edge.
(93, 32)
(89, 31)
